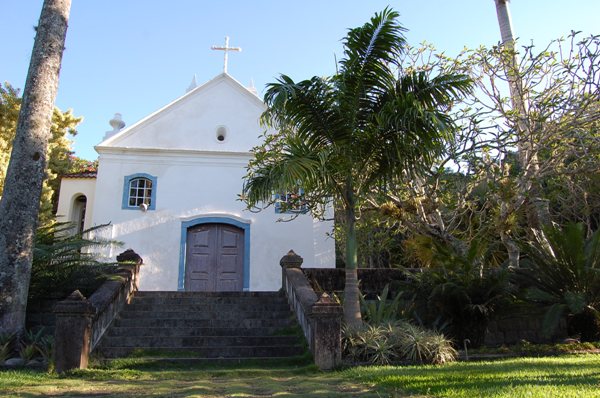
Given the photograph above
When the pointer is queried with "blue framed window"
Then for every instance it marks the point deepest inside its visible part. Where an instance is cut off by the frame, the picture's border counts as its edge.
(139, 190)
(290, 202)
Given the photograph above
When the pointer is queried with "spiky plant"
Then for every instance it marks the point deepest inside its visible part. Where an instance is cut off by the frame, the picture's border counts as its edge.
(7, 341)
(562, 273)
(459, 290)
(398, 341)
(59, 257)
(382, 309)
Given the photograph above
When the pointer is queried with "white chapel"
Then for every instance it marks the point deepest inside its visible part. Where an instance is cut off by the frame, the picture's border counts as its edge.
(169, 185)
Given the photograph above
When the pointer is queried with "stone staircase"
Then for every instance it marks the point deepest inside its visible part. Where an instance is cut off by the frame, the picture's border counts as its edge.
(228, 326)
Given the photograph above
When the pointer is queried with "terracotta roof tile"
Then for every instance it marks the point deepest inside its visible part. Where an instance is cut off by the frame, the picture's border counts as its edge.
(83, 174)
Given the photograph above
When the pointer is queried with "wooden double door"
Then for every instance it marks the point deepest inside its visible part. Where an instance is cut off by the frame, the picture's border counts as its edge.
(214, 258)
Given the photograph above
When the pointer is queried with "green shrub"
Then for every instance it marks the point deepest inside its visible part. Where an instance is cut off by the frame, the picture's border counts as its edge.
(63, 261)
(400, 341)
(382, 309)
(45, 347)
(372, 344)
(7, 341)
(457, 292)
(27, 352)
(562, 273)
(419, 345)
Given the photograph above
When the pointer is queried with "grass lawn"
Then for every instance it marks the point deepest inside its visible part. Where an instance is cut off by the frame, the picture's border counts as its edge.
(565, 376)
(568, 376)
(131, 378)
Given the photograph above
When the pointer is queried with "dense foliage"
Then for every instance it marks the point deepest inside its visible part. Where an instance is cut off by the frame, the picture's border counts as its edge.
(458, 292)
(63, 262)
(562, 273)
(340, 137)
(396, 342)
(60, 156)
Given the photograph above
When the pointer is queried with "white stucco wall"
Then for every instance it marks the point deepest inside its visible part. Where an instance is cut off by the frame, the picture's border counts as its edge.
(198, 176)
(70, 189)
(191, 121)
(194, 186)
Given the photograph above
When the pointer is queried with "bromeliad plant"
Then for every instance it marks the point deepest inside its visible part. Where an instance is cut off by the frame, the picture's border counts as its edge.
(394, 342)
(338, 138)
(562, 273)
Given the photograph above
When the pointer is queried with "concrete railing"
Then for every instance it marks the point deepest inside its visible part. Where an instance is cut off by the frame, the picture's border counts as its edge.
(81, 322)
(319, 318)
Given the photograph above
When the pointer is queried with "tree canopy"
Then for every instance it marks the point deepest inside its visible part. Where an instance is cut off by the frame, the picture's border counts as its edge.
(60, 155)
(337, 138)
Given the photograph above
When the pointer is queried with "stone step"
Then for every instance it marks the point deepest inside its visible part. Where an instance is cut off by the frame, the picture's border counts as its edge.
(202, 326)
(200, 342)
(166, 361)
(205, 323)
(208, 301)
(218, 295)
(195, 331)
(238, 352)
(233, 315)
(206, 307)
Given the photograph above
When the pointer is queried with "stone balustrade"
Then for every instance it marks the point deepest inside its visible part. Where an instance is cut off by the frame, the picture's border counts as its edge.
(81, 322)
(319, 317)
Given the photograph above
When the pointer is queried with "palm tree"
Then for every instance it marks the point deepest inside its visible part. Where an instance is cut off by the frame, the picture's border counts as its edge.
(340, 137)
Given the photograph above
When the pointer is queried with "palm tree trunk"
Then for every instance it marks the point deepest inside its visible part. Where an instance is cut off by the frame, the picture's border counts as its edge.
(26, 171)
(352, 316)
(503, 14)
(539, 215)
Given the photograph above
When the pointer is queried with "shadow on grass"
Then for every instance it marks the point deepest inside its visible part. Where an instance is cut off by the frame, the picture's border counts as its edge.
(285, 381)
(149, 363)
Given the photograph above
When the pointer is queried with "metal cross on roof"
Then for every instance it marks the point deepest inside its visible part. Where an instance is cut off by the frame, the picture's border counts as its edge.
(226, 49)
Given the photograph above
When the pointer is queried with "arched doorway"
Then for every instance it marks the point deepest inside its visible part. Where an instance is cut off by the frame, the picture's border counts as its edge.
(78, 215)
(214, 258)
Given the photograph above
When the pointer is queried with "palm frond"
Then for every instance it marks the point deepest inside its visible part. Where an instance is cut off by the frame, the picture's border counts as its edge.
(366, 71)
(437, 92)
(306, 109)
(298, 165)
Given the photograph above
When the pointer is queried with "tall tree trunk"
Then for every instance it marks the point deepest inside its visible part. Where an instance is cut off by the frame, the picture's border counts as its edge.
(26, 171)
(538, 213)
(352, 315)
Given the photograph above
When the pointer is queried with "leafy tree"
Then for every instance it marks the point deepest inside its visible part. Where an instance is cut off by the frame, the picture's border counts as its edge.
(340, 137)
(60, 159)
(482, 187)
(79, 165)
(20, 201)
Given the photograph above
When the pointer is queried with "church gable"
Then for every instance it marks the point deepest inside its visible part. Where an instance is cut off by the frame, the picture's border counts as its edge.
(221, 116)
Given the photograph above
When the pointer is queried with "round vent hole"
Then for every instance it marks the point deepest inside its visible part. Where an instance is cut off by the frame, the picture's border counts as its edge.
(221, 134)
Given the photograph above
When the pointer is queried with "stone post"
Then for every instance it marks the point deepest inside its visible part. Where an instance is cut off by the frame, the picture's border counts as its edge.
(130, 261)
(326, 320)
(73, 332)
(290, 260)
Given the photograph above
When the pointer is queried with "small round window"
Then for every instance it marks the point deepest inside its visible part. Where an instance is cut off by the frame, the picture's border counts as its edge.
(221, 133)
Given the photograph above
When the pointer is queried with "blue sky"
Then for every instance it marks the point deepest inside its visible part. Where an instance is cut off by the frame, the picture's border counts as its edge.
(135, 56)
